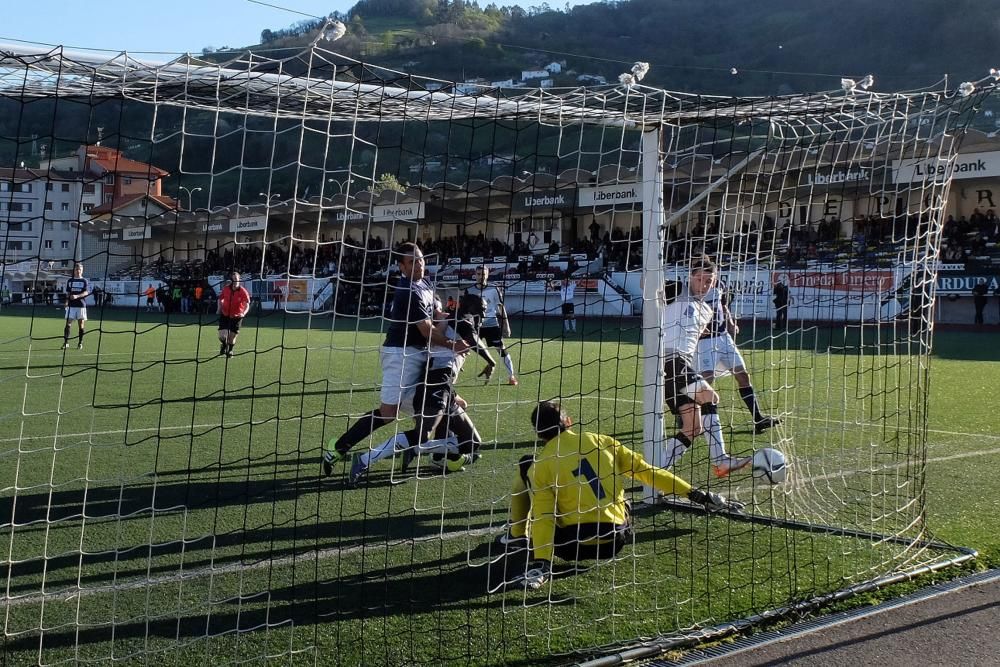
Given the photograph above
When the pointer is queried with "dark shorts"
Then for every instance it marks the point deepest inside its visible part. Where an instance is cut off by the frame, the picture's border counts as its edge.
(492, 335)
(591, 541)
(230, 324)
(436, 395)
(678, 376)
(149, 301)
(569, 309)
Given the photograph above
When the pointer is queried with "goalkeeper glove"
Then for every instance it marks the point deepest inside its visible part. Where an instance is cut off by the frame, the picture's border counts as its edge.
(714, 502)
(537, 574)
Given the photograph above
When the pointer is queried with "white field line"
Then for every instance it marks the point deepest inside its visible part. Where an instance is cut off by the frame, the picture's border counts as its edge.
(191, 427)
(231, 568)
(332, 552)
(474, 409)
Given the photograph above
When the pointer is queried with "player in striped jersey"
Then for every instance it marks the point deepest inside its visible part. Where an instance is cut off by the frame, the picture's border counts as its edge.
(77, 291)
(686, 318)
(495, 325)
(569, 500)
(717, 352)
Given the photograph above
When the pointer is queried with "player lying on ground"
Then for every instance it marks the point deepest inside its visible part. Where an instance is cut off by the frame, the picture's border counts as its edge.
(569, 500)
(717, 350)
(404, 351)
(686, 317)
(438, 410)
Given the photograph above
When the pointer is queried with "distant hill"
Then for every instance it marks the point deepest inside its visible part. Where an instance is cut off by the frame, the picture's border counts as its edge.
(777, 46)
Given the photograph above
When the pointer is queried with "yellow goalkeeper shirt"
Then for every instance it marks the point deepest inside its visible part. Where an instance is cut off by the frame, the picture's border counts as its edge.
(580, 478)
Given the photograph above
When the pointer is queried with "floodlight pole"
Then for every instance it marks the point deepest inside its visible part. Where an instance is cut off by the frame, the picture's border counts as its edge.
(653, 433)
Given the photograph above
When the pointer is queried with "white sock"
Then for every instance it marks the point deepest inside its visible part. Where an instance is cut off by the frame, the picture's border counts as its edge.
(712, 427)
(385, 449)
(447, 445)
(509, 363)
(572, 325)
(673, 450)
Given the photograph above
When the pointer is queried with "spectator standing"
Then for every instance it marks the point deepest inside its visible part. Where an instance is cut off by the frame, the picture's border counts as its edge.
(780, 305)
(566, 295)
(979, 299)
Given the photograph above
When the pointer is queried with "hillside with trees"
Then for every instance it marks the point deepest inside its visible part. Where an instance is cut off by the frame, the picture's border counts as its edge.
(776, 46)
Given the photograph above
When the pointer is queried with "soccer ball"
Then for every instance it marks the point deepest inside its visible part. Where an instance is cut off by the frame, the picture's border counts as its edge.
(770, 464)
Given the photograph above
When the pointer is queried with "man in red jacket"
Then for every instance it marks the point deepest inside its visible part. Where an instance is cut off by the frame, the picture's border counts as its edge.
(234, 302)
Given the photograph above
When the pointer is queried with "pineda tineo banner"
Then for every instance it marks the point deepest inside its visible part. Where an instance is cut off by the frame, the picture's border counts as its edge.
(834, 294)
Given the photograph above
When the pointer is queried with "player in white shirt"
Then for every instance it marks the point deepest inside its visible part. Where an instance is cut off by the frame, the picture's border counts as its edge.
(495, 325)
(718, 354)
(686, 316)
(567, 292)
(77, 291)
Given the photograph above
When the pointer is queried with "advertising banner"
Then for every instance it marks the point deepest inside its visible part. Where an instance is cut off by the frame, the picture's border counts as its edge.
(834, 294)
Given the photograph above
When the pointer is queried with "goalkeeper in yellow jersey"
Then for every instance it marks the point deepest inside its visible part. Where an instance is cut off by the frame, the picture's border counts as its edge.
(569, 500)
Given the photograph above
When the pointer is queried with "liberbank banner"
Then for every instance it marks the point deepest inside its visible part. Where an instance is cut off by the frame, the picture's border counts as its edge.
(605, 195)
(935, 170)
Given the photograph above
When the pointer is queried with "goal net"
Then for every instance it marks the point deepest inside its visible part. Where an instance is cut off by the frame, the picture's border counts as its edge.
(164, 492)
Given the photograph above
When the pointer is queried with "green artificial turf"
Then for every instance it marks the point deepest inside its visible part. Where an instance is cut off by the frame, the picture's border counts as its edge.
(164, 504)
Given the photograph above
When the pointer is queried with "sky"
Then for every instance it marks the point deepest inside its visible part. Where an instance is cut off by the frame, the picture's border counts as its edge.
(175, 26)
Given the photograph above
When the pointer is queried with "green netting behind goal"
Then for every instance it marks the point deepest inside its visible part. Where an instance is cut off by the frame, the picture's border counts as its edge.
(163, 500)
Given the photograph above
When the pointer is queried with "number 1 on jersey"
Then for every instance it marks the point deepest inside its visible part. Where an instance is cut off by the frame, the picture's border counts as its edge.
(586, 471)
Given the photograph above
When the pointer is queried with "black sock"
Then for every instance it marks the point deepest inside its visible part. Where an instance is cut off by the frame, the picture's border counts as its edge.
(80, 336)
(360, 430)
(749, 397)
(66, 333)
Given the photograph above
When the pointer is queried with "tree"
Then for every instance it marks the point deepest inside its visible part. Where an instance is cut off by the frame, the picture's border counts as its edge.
(266, 36)
(386, 182)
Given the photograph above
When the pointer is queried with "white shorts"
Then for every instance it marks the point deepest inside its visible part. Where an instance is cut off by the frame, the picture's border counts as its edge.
(402, 369)
(76, 313)
(718, 355)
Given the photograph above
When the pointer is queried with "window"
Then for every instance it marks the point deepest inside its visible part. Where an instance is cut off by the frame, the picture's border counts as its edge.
(87, 208)
(108, 198)
(48, 245)
(89, 189)
(15, 227)
(64, 245)
(4, 186)
(128, 181)
(48, 187)
(19, 245)
(109, 179)
(22, 187)
(65, 187)
(49, 226)
(66, 226)
(64, 206)
(48, 206)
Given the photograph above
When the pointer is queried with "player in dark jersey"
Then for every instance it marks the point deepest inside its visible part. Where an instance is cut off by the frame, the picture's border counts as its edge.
(438, 410)
(403, 354)
(77, 291)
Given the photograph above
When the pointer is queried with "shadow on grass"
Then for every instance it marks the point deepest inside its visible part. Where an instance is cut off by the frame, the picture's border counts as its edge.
(413, 590)
(368, 522)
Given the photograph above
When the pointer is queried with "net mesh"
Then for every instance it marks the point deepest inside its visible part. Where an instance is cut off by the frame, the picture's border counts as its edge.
(164, 498)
